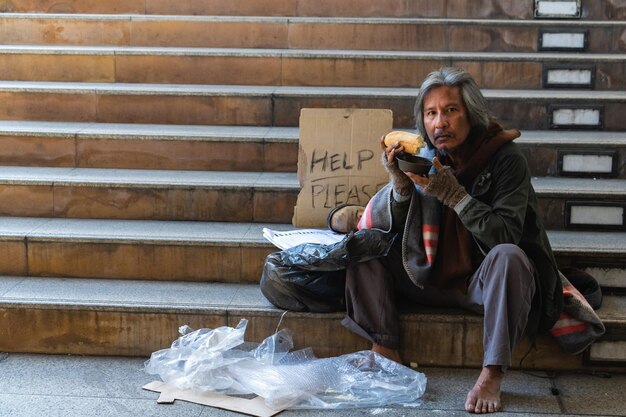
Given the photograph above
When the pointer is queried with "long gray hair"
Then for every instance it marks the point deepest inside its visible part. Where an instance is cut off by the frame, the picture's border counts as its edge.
(473, 99)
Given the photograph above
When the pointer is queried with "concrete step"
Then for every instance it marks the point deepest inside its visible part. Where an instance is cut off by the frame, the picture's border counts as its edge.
(575, 153)
(155, 250)
(140, 146)
(280, 106)
(111, 317)
(377, 33)
(75, 386)
(202, 251)
(267, 197)
(264, 197)
(581, 203)
(523, 9)
(257, 148)
(305, 67)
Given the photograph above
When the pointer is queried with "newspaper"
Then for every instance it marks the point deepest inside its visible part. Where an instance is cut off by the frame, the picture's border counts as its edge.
(290, 238)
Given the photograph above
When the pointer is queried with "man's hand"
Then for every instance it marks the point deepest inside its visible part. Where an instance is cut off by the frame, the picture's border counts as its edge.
(402, 184)
(443, 184)
(423, 181)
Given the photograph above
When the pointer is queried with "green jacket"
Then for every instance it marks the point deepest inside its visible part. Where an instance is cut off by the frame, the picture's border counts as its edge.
(503, 209)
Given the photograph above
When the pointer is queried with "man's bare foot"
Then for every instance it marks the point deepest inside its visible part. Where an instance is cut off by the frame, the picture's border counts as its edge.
(485, 396)
(388, 353)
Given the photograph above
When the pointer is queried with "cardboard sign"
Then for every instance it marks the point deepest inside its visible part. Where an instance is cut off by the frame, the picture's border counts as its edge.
(339, 160)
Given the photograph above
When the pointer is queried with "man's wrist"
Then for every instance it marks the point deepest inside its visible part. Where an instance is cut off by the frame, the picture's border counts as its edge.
(445, 187)
(453, 196)
(458, 207)
(401, 197)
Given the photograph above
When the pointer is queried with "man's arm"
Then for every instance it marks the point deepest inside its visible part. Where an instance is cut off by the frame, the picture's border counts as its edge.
(498, 219)
(399, 212)
(501, 219)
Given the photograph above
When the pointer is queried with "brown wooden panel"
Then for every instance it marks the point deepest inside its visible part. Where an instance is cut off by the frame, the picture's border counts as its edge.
(64, 68)
(369, 8)
(223, 7)
(13, 260)
(507, 75)
(357, 72)
(432, 340)
(191, 203)
(220, 110)
(614, 116)
(76, 6)
(170, 154)
(37, 151)
(474, 38)
(516, 114)
(287, 109)
(26, 200)
(136, 261)
(490, 9)
(180, 69)
(280, 157)
(274, 206)
(209, 34)
(86, 32)
(371, 37)
(52, 107)
(83, 332)
(610, 76)
(252, 261)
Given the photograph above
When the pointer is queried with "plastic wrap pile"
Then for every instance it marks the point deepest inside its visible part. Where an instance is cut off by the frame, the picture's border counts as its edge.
(220, 360)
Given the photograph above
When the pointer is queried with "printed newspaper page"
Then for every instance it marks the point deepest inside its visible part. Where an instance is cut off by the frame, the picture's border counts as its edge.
(290, 238)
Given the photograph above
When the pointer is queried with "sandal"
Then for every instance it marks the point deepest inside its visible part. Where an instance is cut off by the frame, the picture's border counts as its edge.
(344, 218)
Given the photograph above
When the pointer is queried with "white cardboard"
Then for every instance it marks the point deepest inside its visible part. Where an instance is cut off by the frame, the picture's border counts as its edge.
(169, 393)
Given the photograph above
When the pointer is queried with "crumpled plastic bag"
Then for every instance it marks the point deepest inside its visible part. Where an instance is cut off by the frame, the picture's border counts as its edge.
(220, 360)
(355, 247)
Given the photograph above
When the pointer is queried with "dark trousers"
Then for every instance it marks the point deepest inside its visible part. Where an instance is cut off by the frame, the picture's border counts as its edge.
(501, 288)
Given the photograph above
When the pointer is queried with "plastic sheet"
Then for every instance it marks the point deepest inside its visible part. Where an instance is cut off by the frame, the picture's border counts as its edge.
(220, 360)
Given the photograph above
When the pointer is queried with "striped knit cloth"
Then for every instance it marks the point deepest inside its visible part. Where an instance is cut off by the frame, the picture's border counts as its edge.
(579, 325)
(421, 233)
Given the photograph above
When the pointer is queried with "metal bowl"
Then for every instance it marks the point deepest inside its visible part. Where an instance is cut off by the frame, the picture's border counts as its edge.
(413, 163)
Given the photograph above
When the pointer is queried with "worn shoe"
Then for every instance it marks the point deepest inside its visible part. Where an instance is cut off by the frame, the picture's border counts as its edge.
(344, 218)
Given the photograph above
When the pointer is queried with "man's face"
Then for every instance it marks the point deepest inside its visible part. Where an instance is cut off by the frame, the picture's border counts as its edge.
(445, 118)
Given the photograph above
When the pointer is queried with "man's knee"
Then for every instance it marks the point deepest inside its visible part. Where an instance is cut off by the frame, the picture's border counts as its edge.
(512, 258)
(508, 252)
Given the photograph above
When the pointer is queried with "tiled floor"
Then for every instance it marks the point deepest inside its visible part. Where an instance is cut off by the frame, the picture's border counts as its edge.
(73, 386)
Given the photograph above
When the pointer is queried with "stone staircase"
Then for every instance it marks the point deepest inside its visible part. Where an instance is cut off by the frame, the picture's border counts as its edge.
(145, 144)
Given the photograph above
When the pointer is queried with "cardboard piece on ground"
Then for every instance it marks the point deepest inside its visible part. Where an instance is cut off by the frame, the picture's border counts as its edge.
(169, 393)
(339, 160)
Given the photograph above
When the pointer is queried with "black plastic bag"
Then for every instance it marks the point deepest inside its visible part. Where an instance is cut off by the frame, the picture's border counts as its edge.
(311, 277)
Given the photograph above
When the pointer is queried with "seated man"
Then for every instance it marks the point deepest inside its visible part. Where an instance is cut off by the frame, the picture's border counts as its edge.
(488, 251)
